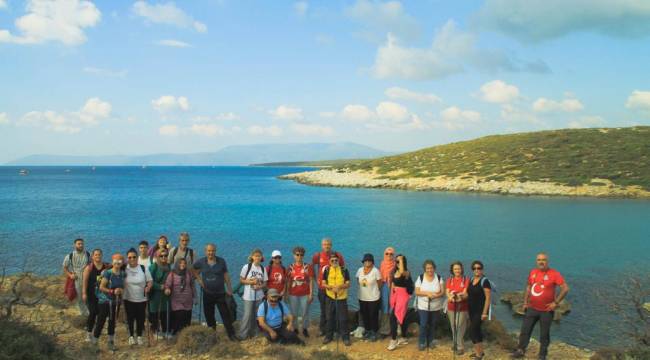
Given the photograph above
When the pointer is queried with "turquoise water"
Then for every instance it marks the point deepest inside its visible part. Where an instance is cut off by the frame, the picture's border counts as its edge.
(591, 241)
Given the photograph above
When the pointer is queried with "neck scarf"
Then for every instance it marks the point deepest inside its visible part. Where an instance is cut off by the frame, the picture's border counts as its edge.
(387, 265)
(181, 273)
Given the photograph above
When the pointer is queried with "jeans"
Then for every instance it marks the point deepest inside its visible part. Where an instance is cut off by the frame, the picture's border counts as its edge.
(385, 297)
(248, 325)
(531, 318)
(299, 307)
(209, 301)
(135, 314)
(461, 318)
(370, 314)
(428, 320)
(337, 318)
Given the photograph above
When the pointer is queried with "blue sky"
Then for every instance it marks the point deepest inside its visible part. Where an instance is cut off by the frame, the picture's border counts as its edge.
(140, 77)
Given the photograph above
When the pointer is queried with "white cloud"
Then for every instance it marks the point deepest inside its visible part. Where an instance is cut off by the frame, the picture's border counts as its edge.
(4, 119)
(305, 129)
(539, 20)
(63, 21)
(379, 17)
(587, 122)
(391, 111)
(358, 113)
(513, 114)
(327, 114)
(168, 130)
(105, 72)
(229, 116)
(170, 103)
(167, 14)
(398, 93)
(172, 43)
(451, 51)
(3, 4)
(549, 105)
(300, 8)
(258, 130)
(207, 129)
(285, 112)
(498, 91)
(639, 100)
(454, 118)
(92, 112)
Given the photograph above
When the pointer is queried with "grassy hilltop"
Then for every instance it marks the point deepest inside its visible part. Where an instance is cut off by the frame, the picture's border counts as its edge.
(568, 157)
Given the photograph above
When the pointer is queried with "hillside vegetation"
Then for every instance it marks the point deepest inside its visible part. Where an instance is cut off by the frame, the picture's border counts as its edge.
(568, 157)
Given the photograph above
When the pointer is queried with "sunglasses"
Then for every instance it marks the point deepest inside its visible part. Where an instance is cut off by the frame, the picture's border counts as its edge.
(132, 257)
(277, 257)
(477, 268)
(334, 260)
(389, 253)
(298, 254)
(162, 255)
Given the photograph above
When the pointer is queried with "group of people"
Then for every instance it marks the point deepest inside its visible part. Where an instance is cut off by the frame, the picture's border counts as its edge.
(158, 282)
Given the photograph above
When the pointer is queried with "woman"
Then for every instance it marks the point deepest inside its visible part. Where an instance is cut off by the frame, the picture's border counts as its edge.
(400, 292)
(91, 274)
(386, 268)
(277, 273)
(180, 286)
(429, 302)
(158, 300)
(111, 289)
(162, 243)
(137, 284)
(300, 288)
(370, 282)
(456, 290)
(479, 296)
(254, 278)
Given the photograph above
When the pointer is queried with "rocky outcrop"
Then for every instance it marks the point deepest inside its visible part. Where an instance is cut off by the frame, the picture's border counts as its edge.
(516, 301)
(367, 179)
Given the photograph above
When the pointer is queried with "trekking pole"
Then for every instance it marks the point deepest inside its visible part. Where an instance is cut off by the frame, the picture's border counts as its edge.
(168, 327)
(338, 323)
(147, 323)
(201, 308)
(455, 337)
(427, 327)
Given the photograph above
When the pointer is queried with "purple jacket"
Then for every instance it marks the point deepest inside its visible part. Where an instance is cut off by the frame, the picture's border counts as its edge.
(181, 299)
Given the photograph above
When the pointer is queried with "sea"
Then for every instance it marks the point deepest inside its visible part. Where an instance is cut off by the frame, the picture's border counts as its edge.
(594, 243)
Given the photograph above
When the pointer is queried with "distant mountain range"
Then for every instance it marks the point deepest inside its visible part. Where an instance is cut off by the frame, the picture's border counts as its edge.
(230, 155)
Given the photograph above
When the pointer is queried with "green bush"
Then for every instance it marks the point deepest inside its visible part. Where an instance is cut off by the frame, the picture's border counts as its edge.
(22, 341)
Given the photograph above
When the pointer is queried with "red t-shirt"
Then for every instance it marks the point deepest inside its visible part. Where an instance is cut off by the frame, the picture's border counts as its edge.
(322, 260)
(299, 277)
(542, 287)
(457, 285)
(277, 278)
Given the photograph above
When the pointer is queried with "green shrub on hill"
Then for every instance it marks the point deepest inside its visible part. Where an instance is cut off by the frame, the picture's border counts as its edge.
(23, 341)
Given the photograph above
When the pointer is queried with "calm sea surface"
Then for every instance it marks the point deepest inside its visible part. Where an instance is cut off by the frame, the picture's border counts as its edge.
(591, 241)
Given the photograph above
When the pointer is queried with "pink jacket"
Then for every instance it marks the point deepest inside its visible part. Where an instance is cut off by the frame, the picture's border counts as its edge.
(399, 299)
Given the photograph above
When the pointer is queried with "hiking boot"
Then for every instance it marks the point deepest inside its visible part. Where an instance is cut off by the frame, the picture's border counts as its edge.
(327, 340)
(140, 340)
(402, 341)
(305, 333)
(517, 354)
(131, 340)
(347, 342)
(392, 345)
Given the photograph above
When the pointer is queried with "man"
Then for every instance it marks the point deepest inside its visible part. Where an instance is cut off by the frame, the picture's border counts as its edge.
(271, 316)
(143, 250)
(182, 250)
(320, 261)
(336, 281)
(73, 267)
(214, 275)
(540, 303)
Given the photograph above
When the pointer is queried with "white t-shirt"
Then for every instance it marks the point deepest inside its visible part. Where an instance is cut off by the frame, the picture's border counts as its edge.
(258, 273)
(368, 289)
(135, 282)
(434, 286)
(146, 262)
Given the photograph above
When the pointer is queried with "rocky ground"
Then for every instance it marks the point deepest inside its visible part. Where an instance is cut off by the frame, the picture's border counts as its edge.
(366, 179)
(54, 315)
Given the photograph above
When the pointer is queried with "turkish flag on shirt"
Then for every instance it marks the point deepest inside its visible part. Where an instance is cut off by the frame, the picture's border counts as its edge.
(542, 287)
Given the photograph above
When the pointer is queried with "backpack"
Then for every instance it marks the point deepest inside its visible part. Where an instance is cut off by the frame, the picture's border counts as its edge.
(88, 260)
(493, 289)
(250, 266)
(98, 293)
(141, 268)
(421, 277)
(188, 251)
(266, 310)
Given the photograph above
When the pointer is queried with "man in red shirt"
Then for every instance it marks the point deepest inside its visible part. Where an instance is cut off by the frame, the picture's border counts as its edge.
(319, 261)
(540, 303)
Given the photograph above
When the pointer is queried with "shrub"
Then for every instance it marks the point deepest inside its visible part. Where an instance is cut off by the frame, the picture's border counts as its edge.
(328, 355)
(23, 341)
(195, 339)
(282, 353)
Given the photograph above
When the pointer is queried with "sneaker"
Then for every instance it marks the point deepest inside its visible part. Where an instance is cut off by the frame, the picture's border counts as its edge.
(460, 352)
(140, 340)
(347, 342)
(402, 341)
(305, 333)
(131, 340)
(422, 347)
(89, 337)
(517, 354)
(93, 340)
(392, 345)
(327, 340)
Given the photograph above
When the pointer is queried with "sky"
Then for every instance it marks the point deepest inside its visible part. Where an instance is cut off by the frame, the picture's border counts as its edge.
(141, 77)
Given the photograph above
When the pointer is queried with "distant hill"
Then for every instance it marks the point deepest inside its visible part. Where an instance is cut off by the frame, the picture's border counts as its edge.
(230, 155)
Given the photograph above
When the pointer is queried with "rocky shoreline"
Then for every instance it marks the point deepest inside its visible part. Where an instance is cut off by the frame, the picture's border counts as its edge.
(601, 188)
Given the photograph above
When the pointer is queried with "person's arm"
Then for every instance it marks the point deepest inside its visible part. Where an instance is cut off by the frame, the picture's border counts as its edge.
(526, 296)
(311, 280)
(288, 317)
(564, 289)
(86, 275)
(168, 284)
(149, 280)
(266, 327)
(226, 278)
(346, 280)
(486, 307)
(66, 265)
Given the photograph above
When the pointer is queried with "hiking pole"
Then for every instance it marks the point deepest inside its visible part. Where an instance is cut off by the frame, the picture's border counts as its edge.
(428, 327)
(338, 323)
(201, 308)
(147, 323)
(455, 337)
(168, 327)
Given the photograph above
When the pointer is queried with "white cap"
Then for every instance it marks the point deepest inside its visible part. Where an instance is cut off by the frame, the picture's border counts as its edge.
(276, 253)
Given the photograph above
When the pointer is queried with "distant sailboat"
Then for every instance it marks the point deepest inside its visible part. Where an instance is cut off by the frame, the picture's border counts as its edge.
(93, 168)
(144, 166)
(67, 170)
(23, 172)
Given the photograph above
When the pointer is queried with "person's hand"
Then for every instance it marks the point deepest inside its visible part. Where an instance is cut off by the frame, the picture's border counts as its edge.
(168, 292)
(228, 292)
(290, 327)
(118, 291)
(147, 289)
(72, 276)
(310, 298)
(273, 334)
(484, 317)
(551, 306)
(525, 306)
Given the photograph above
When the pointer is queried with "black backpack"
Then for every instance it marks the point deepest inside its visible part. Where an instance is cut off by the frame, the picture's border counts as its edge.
(188, 251)
(421, 277)
(88, 259)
